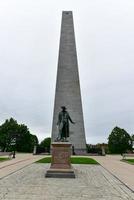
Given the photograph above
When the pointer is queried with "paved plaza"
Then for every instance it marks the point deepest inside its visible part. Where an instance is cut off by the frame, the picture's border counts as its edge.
(91, 182)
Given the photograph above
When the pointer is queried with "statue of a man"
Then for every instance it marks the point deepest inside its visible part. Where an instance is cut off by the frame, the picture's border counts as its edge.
(63, 124)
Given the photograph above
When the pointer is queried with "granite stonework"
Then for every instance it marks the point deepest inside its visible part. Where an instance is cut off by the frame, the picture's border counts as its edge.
(61, 161)
(68, 92)
(61, 153)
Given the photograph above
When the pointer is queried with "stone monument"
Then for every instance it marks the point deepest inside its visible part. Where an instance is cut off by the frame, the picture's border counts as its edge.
(67, 92)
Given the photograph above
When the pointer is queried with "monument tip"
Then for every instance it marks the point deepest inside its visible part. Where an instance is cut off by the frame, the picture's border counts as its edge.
(67, 12)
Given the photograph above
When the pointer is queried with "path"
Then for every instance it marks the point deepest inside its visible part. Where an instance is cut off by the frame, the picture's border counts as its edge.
(122, 170)
(21, 160)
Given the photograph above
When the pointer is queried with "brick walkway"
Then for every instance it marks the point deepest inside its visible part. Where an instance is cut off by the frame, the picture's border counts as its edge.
(19, 162)
(91, 182)
(122, 170)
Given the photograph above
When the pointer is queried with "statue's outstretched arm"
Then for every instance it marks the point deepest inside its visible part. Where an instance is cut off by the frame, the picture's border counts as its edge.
(70, 120)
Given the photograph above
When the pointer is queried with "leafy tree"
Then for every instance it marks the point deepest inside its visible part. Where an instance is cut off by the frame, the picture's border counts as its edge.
(7, 131)
(119, 141)
(93, 149)
(46, 144)
(24, 140)
(34, 140)
(132, 141)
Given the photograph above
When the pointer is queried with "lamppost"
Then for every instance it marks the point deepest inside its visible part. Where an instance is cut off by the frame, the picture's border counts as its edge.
(13, 143)
(14, 138)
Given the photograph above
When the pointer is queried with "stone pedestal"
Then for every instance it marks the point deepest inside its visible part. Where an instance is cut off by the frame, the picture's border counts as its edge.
(61, 163)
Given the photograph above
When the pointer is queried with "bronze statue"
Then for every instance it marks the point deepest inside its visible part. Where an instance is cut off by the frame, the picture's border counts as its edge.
(63, 125)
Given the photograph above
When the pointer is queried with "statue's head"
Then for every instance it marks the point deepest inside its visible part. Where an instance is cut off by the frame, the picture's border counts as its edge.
(63, 108)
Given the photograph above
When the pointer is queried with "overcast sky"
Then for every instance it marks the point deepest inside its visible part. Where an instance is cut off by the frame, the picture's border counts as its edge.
(29, 44)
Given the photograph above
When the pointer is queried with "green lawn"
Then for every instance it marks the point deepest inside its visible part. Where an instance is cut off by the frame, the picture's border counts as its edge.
(131, 161)
(44, 160)
(83, 160)
(74, 160)
(3, 159)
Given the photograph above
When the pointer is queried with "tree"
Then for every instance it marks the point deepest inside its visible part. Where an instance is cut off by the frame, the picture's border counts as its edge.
(26, 141)
(7, 131)
(46, 144)
(132, 141)
(10, 129)
(119, 141)
(34, 140)
(132, 138)
(93, 149)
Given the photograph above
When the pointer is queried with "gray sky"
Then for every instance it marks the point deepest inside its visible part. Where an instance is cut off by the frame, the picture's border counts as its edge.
(29, 44)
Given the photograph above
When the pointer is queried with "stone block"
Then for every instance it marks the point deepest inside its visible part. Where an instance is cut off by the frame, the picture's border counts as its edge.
(61, 161)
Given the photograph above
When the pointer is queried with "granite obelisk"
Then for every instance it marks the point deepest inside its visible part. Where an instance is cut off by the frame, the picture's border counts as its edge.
(68, 92)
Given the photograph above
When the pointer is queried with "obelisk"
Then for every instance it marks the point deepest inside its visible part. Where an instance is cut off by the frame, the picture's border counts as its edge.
(68, 92)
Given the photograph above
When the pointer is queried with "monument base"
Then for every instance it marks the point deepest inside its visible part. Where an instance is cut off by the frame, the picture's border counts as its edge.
(79, 152)
(61, 162)
(60, 173)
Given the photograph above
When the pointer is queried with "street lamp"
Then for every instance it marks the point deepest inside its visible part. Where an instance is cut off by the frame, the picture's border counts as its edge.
(13, 143)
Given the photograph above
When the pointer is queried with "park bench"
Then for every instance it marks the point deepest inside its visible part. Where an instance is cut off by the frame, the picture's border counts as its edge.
(125, 155)
(9, 154)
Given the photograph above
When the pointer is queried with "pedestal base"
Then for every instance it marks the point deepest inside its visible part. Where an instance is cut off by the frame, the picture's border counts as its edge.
(61, 163)
(60, 173)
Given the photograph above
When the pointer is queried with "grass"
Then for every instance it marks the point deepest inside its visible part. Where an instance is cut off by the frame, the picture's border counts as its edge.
(44, 160)
(83, 160)
(3, 159)
(130, 161)
(74, 160)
